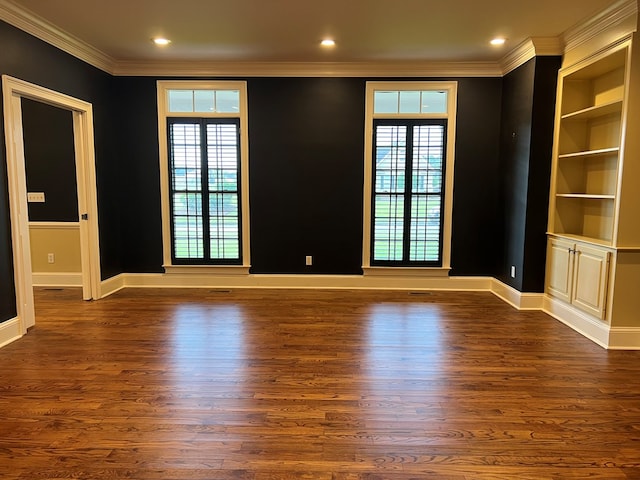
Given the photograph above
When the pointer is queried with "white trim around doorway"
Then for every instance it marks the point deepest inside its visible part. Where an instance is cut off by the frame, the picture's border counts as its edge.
(13, 91)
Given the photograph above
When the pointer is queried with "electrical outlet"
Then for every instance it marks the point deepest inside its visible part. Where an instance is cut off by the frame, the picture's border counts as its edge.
(308, 260)
(513, 271)
(51, 258)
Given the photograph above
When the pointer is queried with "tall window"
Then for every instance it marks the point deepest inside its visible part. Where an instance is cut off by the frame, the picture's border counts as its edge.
(204, 164)
(204, 171)
(408, 191)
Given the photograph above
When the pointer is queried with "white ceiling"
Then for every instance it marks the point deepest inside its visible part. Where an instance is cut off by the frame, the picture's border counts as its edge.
(290, 30)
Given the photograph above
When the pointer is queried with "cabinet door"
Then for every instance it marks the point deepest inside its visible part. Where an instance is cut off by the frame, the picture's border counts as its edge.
(591, 272)
(560, 268)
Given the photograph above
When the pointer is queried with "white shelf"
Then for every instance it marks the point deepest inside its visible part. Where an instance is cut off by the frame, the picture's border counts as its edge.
(588, 196)
(595, 111)
(581, 238)
(589, 126)
(591, 153)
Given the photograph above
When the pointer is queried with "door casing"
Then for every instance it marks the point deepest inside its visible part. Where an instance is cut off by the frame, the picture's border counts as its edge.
(13, 91)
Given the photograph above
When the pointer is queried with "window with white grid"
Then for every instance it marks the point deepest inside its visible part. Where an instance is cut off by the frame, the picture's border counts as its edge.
(204, 173)
(409, 153)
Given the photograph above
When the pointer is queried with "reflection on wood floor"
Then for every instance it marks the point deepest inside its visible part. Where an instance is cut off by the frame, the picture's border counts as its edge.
(311, 384)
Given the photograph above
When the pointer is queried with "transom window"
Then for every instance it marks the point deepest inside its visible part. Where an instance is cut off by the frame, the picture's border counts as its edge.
(409, 158)
(204, 101)
(410, 101)
(204, 173)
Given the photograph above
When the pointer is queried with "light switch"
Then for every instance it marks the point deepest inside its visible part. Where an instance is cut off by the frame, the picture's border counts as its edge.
(35, 197)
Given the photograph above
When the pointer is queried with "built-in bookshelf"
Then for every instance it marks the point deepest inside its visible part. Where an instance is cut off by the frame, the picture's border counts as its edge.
(593, 254)
(588, 149)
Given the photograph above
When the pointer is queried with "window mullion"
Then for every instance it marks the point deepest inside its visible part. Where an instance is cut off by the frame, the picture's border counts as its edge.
(204, 163)
(408, 186)
(238, 186)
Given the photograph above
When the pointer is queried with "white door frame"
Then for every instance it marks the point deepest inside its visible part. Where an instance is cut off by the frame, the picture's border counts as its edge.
(13, 90)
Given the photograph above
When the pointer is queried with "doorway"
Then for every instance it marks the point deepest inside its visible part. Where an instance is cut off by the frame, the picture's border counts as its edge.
(52, 195)
(14, 91)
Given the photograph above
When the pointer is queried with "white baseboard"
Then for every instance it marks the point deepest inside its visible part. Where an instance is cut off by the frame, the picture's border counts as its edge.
(45, 279)
(10, 331)
(515, 298)
(624, 338)
(149, 280)
(112, 285)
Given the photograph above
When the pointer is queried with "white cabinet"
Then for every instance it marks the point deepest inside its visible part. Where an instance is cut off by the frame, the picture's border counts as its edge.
(578, 274)
(590, 276)
(560, 268)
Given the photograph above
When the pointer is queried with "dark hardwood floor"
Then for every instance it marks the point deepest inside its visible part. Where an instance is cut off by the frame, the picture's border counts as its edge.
(315, 385)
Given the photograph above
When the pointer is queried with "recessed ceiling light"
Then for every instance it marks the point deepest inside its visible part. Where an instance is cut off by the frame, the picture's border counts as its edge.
(498, 41)
(161, 41)
(327, 42)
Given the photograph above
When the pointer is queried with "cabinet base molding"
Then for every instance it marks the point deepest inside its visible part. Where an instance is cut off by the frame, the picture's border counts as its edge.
(590, 327)
(612, 338)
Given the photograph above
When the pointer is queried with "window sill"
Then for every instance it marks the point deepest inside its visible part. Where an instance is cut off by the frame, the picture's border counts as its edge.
(227, 270)
(406, 271)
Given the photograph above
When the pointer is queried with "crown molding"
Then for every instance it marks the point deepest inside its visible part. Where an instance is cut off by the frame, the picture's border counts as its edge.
(40, 28)
(31, 23)
(308, 69)
(594, 26)
(548, 46)
(530, 48)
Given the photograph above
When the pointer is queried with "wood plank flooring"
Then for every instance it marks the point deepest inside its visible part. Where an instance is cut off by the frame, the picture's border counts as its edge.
(313, 385)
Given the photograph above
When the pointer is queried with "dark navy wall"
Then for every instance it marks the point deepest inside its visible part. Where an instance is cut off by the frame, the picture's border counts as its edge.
(476, 191)
(544, 100)
(7, 284)
(50, 162)
(306, 159)
(139, 186)
(515, 142)
(25, 57)
(306, 172)
(525, 156)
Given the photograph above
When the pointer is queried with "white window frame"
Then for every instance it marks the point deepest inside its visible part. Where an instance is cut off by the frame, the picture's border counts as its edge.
(163, 88)
(452, 93)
